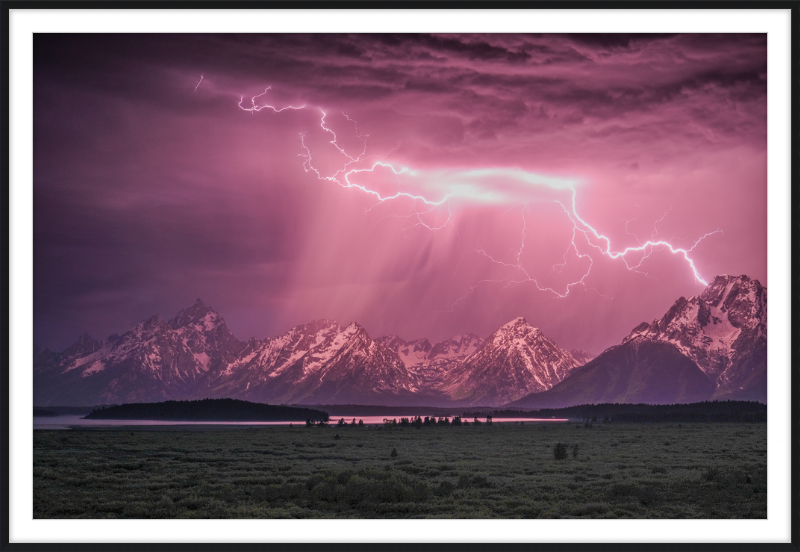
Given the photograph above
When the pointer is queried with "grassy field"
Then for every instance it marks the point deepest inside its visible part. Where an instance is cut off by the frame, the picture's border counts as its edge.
(498, 471)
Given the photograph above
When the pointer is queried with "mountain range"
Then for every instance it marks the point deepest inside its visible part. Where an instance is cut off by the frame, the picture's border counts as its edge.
(709, 346)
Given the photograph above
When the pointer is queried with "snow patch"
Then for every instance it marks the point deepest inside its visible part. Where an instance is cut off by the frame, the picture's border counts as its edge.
(97, 366)
(203, 359)
(87, 359)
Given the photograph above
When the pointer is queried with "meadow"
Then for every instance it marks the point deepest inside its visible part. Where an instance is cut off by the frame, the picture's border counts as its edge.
(615, 470)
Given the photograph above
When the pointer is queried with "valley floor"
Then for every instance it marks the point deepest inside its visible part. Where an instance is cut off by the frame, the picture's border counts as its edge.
(498, 471)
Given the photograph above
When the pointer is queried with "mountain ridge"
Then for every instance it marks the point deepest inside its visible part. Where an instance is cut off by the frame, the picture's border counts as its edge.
(193, 355)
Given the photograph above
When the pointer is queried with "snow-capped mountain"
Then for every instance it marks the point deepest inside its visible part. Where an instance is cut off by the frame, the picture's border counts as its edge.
(712, 346)
(723, 330)
(155, 360)
(315, 363)
(194, 356)
(430, 364)
(514, 361)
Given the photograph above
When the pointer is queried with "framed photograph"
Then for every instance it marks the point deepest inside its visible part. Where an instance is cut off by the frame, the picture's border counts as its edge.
(428, 279)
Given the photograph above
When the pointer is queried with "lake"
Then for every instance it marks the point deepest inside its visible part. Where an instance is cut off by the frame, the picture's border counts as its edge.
(67, 421)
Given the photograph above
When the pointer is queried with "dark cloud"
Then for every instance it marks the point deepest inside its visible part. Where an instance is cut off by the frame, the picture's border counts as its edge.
(618, 40)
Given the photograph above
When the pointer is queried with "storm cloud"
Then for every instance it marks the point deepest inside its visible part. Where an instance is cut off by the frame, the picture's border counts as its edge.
(151, 190)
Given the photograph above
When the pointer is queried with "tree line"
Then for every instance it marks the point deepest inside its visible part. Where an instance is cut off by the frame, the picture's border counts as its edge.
(415, 421)
(707, 411)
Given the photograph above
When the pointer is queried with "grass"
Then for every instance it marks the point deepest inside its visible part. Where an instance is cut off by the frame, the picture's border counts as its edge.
(499, 471)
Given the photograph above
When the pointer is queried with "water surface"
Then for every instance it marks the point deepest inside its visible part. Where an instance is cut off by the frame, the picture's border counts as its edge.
(68, 421)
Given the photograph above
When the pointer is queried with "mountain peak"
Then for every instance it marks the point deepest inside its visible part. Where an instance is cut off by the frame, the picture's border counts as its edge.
(316, 326)
(723, 287)
(84, 345)
(518, 328)
(520, 320)
(154, 320)
(198, 314)
(515, 360)
(355, 328)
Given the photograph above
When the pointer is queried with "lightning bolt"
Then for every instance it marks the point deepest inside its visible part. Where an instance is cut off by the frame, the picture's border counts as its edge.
(256, 108)
(198, 83)
(589, 229)
(527, 277)
(342, 177)
(467, 185)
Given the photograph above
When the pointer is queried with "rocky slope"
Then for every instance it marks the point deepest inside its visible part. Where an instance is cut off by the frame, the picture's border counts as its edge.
(580, 356)
(638, 371)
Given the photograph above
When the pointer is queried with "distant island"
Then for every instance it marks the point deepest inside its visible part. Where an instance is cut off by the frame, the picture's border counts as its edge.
(207, 410)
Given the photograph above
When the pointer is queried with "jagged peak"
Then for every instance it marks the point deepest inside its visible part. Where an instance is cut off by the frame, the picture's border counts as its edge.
(421, 343)
(391, 340)
(518, 326)
(462, 338)
(724, 280)
(353, 327)
(727, 278)
(316, 326)
(85, 343)
(197, 314)
(355, 331)
(516, 322)
(154, 320)
(725, 290)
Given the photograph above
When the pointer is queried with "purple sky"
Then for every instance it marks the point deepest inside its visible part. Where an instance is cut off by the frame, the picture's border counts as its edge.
(151, 190)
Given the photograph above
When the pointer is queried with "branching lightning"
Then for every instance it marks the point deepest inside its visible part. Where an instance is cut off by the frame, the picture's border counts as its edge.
(255, 107)
(355, 165)
(343, 175)
(589, 229)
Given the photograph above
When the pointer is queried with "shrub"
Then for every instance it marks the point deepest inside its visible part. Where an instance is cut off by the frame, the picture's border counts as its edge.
(575, 451)
(445, 488)
(560, 451)
(394, 453)
(712, 474)
(474, 481)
